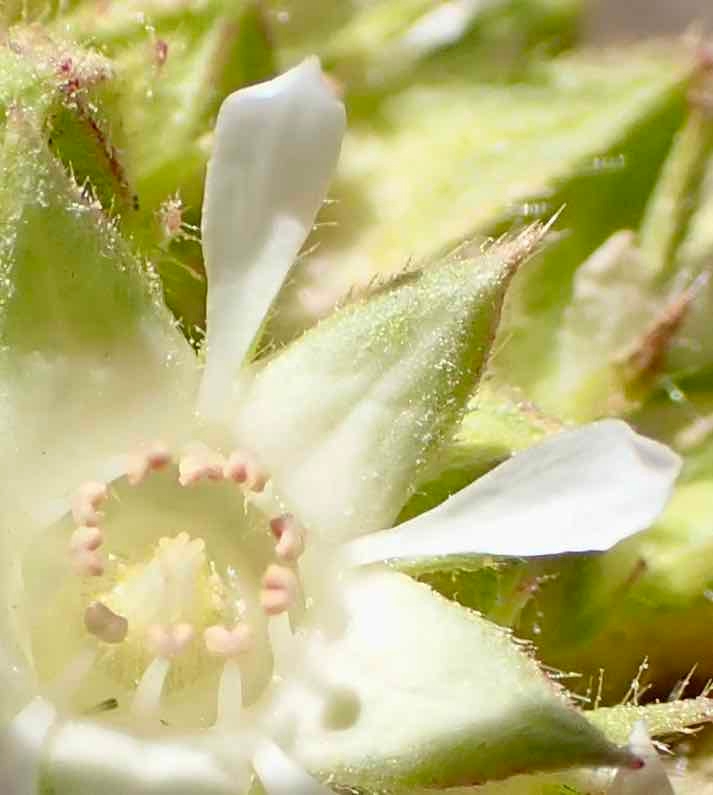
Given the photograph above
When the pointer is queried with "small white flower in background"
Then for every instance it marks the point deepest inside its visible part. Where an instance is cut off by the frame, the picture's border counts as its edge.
(184, 614)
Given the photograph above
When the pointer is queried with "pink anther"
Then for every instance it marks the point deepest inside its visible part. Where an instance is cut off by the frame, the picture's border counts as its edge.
(157, 456)
(242, 468)
(275, 602)
(105, 624)
(87, 563)
(169, 641)
(86, 539)
(85, 506)
(223, 642)
(280, 587)
(290, 538)
(236, 467)
(200, 465)
(137, 468)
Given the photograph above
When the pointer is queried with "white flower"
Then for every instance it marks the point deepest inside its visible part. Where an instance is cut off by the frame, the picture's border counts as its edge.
(181, 615)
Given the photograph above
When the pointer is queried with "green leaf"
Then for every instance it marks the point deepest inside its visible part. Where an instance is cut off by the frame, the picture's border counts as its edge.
(381, 45)
(677, 195)
(482, 150)
(449, 157)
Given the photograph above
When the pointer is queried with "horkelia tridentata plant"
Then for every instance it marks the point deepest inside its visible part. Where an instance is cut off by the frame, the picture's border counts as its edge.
(192, 557)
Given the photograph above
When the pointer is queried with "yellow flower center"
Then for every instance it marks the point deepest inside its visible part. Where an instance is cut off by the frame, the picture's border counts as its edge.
(164, 589)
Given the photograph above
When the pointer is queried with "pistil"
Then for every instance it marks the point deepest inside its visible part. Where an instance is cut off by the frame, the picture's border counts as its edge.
(166, 643)
(282, 583)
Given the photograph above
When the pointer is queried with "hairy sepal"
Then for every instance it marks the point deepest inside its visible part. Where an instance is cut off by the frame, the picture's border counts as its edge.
(346, 418)
(458, 705)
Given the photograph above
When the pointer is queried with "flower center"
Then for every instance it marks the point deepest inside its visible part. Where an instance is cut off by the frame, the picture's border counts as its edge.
(202, 608)
(173, 587)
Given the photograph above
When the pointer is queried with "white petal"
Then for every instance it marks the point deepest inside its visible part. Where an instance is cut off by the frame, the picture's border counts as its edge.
(281, 776)
(86, 759)
(582, 490)
(276, 147)
(22, 748)
(652, 778)
(91, 361)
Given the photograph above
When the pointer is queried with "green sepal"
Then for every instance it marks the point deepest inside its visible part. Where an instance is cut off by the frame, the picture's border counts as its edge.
(386, 377)
(70, 95)
(479, 708)
(662, 719)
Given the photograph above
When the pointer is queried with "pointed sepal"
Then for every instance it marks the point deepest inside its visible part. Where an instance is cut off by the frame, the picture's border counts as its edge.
(345, 418)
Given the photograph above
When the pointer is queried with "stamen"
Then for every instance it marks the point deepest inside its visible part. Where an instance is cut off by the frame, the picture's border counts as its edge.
(85, 506)
(236, 467)
(266, 501)
(280, 589)
(281, 639)
(200, 463)
(242, 468)
(147, 698)
(137, 468)
(105, 624)
(167, 643)
(231, 644)
(280, 775)
(290, 538)
(83, 546)
(223, 642)
(87, 563)
(74, 674)
(230, 695)
(155, 457)
(86, 538)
